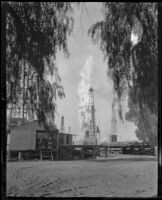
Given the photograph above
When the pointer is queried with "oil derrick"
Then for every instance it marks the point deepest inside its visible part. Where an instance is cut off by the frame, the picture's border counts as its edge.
(91, 129)
(113, 135)
(20, 109)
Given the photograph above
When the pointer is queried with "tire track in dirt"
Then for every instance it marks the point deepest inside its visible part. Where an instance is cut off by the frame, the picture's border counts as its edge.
(76, 179)
(26, 183)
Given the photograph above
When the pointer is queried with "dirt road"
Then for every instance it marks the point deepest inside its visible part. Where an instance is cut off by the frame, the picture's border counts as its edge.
(130, 177)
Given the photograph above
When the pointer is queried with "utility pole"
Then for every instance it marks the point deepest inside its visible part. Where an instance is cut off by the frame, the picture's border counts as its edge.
(62, 129)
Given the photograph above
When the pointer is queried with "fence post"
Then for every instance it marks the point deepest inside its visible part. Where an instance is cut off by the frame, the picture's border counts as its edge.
(19, 155)
(51, 154)
(82, 152)
(106, 151)
(40, 154)
(57, 145)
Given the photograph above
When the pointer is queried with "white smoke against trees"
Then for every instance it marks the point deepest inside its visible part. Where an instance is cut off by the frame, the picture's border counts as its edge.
(137, 31)
(136, 36)
(83, 94)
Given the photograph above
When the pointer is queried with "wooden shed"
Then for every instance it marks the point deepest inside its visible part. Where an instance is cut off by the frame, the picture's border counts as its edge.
(30, 136)
(23, 137)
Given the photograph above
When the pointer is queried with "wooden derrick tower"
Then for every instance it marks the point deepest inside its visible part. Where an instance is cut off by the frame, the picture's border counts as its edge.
(91, 133)
(113, 135)
(21, 109)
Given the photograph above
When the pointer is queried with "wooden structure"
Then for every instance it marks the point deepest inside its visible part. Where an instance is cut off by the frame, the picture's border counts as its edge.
(91, 129)
(87, 151)
(31, 141)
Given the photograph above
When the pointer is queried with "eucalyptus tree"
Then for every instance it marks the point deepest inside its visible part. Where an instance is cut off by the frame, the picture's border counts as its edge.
(128, 37)
(34, 32)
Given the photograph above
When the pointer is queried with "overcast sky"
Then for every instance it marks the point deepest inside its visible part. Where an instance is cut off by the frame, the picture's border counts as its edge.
(81, 48)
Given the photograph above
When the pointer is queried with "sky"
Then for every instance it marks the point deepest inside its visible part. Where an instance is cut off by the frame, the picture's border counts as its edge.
(81, 48)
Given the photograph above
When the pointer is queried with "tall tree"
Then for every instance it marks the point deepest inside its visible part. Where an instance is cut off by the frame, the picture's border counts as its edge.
(146, 123)
(35, 31)
(128, 37)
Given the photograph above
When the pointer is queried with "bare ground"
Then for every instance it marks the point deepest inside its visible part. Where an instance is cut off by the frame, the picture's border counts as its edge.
(122, 176)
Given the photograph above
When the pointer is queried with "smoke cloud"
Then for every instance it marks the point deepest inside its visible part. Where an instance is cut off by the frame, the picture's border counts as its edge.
(137, 31)
(83, 94)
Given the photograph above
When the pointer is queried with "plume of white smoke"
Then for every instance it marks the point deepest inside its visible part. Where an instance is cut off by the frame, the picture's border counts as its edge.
(83, 94)
(136, 37)
(137, 31)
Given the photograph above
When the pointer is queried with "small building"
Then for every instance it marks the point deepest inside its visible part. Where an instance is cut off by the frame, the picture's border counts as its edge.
(23, 137)
(30, 136)
(65, 139)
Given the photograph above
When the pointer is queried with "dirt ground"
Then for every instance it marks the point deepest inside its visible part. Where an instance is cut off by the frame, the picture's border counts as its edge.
(121, 176)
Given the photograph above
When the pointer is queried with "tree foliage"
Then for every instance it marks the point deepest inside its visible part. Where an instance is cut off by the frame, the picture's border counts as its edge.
(145, 121)
(133, 68)
(35, 31)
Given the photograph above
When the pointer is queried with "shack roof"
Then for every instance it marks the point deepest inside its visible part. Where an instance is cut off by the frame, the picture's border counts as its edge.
(27, 125)
(65, 133)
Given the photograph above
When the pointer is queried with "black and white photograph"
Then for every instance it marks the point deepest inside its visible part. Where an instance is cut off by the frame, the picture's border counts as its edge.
(80, 87)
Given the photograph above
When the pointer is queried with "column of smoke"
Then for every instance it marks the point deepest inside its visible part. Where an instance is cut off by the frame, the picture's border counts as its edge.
(83, 94)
